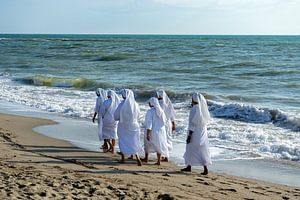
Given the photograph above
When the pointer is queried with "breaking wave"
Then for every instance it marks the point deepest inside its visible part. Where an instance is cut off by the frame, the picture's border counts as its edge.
(250, 113)
(79, 83)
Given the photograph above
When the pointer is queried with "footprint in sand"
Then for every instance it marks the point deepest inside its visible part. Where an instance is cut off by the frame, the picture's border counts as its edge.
(186, 185)
(228, 189)
(224, 183)
(274, 192)
(259, 193)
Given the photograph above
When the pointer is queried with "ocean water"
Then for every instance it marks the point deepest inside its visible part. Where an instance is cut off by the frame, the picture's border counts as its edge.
(252, 83)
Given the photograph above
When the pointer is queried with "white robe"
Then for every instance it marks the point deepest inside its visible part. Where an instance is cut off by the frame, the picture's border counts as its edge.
(168, 124)
(197, 151)
(109, 129)
(97, 109)
(128, 133)
(158, 141)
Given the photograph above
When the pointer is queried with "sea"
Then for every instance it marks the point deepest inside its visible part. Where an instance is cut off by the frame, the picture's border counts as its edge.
(251, 83)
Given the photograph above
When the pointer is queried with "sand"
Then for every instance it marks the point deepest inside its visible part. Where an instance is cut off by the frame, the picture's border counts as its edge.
(34, 166)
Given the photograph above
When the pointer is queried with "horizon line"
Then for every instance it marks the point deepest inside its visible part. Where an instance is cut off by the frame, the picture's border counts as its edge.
(166, 34)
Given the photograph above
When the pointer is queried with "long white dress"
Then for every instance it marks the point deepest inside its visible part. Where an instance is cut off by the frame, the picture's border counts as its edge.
(169, 111)
(168, 125)
(158, 141)
(197, 151)
(128, 127)
(97, 109)
(108, 109)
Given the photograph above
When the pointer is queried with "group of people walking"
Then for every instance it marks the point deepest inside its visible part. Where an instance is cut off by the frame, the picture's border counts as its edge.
(118, 119)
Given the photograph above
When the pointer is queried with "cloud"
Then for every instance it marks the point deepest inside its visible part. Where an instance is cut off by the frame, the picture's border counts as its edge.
(223, 4)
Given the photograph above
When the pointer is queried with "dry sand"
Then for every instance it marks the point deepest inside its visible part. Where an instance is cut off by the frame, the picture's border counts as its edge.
(34, 166)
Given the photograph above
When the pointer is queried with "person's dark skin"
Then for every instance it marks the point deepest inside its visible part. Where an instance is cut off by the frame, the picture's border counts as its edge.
(188, 140)
(95, 114)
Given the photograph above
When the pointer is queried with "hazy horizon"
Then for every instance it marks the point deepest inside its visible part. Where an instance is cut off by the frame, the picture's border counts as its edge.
(159, 17)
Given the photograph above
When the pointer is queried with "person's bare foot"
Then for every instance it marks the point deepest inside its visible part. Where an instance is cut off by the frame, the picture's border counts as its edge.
(165, 159)
(205, 172)
(130, 157)
(187, 169)
(122, 161)
(139, 162)
(109, 150)
(144, 160)
(157, 163)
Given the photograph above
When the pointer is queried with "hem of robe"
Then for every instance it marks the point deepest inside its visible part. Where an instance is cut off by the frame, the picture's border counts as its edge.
(199, 164)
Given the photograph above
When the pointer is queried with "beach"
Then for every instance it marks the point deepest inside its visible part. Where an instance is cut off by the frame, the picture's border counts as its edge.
(34, 166)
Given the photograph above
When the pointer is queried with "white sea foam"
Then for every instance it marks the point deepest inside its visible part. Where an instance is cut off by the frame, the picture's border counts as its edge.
(238, 138)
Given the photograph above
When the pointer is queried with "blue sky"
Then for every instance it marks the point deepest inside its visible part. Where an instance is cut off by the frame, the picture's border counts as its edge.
(151, 16)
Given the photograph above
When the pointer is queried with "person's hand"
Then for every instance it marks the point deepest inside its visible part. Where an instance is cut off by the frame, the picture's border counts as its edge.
(173, 126)
(188, 140)
(148, 136)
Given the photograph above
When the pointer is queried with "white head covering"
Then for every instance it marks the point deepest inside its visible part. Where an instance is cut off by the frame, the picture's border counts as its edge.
(168, 106)
(158, 110)
(100, 99)
(101, 92)
(202, 114)
(130, 110)
(115, 101)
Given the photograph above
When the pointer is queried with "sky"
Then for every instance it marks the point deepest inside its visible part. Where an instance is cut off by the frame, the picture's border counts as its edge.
(216, 17)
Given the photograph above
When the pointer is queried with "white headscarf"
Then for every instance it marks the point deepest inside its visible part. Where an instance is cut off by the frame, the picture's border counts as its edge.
(115, 101)
(130, 110)
(202, 114)
(101, 92)
(100, 99)
(168, 106)
(158, 110)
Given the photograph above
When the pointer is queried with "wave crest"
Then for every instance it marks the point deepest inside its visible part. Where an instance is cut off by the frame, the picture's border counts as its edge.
(80, 83)
(249, 113)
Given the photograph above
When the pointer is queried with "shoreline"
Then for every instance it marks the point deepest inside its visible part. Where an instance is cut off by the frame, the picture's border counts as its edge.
(78, 173)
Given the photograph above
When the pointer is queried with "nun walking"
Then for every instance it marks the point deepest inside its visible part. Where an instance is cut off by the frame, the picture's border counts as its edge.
(128, 131)
(168, 108)
(155, 133)
(109, 128)
(197, 148)
(101, 96)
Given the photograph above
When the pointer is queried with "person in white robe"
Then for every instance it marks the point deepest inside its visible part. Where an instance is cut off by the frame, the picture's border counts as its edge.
(109, 129)
(197, 147)
(155, 138)
(101, 96)
(168, 108)
(128, 130)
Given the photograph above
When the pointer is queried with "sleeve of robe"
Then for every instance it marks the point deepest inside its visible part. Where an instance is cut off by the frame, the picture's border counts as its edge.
(117, 113)
(192, 126)
(96, 109)
(104, 108)
(148, 120)
(172, 118)
(138, 110)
